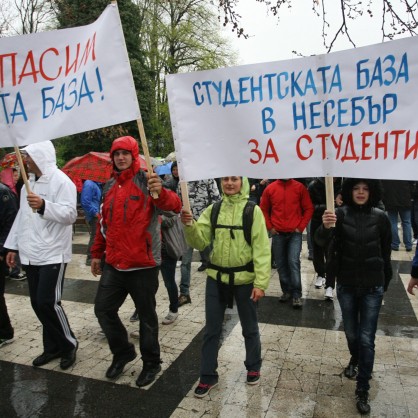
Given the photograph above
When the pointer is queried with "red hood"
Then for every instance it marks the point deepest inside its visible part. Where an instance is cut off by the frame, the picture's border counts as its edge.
(129, 144)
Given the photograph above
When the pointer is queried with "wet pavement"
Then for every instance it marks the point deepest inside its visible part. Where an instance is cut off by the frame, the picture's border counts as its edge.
(304, 353)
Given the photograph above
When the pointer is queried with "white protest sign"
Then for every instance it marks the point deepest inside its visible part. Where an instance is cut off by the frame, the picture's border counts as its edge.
(348, 114)
(62, 82)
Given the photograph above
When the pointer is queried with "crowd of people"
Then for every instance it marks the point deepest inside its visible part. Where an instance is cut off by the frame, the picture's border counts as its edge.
(242, 228)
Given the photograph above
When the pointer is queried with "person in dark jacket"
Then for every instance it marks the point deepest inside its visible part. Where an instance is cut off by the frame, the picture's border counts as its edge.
(397, 196)
(362, 239)
(8, 211)
(173, 181)
(130, 237)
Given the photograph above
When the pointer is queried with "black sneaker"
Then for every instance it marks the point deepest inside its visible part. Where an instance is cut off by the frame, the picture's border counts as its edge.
(148, 374)
(202, 267)
(203, 389)
(253, 377)
(362, 404)
(134, 317)
(350, 372)
(183, 299)
(297, 303)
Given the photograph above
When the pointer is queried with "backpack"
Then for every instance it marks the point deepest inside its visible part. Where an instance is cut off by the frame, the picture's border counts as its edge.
(247, 220)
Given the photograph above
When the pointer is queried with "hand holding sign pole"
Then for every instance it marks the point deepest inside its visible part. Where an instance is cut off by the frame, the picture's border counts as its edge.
(329, 187)
(23, 171)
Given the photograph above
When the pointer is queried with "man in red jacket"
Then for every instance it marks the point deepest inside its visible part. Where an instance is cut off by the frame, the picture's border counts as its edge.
(130, 238)
(287, 208)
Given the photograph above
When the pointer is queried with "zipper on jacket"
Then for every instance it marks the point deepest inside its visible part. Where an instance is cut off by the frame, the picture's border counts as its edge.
(125, 209)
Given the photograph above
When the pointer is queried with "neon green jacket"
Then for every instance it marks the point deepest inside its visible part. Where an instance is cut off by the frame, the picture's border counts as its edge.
(234, 252)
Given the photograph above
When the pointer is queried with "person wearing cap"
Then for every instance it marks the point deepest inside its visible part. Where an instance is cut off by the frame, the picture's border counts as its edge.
(129, 236)
(42, 234)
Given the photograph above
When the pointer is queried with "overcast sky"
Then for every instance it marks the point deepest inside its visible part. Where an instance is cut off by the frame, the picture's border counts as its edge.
(299, 29)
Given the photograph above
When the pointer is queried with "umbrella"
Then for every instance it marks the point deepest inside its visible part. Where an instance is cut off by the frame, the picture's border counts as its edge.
(163, 169)
(9, 160)
(96, 166)
(171, 156)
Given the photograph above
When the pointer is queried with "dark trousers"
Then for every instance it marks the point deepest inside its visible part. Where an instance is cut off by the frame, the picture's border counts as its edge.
(92, 231)
(215, 309)
(114, 287)
(360, 310)
(45, 290)
(168, 271)
(6, 329)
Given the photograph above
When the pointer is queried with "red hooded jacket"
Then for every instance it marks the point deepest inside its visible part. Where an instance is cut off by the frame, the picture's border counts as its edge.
(129, 226)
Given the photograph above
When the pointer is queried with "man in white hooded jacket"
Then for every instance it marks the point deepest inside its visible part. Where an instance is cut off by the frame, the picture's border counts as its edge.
(42, 234)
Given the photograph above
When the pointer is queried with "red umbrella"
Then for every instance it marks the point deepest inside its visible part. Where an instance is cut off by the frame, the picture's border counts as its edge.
(9, 160)
(96, 166)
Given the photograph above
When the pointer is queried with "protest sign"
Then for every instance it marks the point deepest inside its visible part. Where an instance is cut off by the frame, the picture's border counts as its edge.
(63, 82)
(349, 113)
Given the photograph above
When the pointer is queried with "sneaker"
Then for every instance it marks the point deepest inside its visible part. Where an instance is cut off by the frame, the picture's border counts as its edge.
(319, 282)
(183, 299)
(135, 334)
(362, 404)
(170, 318)
(202, 389)
(414, 242)
(202, 267)
(134, 317)
(5, 341)
(253, 377)
(285, 297)
(148, 374)
(329, 293)
(351, 370)
(19, 277)
(297, 303)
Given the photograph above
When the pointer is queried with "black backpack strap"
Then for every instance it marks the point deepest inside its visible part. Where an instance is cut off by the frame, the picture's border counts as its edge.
(227, 291)
(216, 208)
(247, 220)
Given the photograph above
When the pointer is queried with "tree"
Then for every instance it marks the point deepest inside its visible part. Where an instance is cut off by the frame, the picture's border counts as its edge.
(179, 35)
(398, 17)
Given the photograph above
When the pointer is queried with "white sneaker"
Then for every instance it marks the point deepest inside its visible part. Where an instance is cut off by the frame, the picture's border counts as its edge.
(319, 282)
(414, 242)
(329, 293)
(170, 318)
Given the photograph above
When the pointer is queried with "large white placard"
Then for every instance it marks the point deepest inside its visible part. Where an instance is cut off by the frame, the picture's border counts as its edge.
(351, 114)
(66, 81)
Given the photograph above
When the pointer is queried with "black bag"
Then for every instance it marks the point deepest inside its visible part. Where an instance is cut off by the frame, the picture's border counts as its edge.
(174, 239)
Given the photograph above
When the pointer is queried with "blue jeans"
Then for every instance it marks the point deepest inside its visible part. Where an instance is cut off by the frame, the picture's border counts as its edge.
(168, 271)
(405, 215)
(215, 310)
(286, 249)
(185, 269)
(360, 310)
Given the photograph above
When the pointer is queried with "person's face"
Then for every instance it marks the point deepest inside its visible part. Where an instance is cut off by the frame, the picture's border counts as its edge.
(15, 177)
(32, 167)
(123, 159)
(361, 193)
(175, 171)
(231, 185)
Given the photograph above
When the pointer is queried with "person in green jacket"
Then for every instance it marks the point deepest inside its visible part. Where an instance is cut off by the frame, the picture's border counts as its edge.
(236, 270)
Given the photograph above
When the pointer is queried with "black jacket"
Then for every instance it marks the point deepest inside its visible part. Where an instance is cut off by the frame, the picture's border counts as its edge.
(8, 211)
(363, 241)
